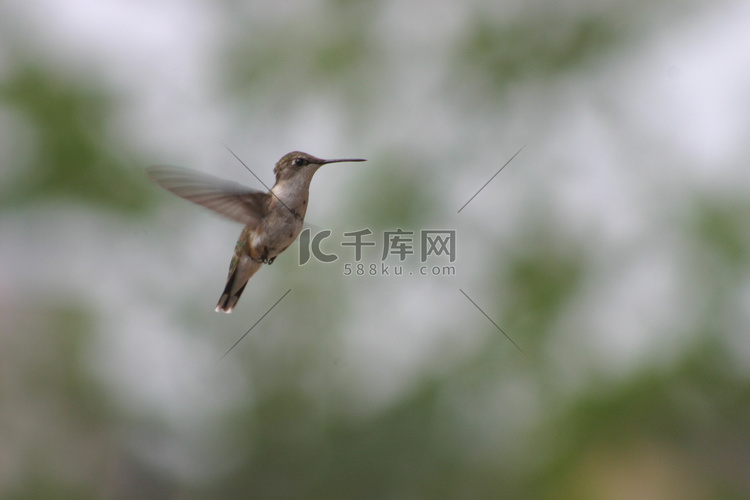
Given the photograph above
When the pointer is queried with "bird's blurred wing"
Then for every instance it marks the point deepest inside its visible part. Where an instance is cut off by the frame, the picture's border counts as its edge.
(229, 199)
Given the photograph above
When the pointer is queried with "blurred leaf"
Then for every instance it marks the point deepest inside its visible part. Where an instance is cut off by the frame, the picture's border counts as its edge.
(299, 60)
(721, 227)
(396, 194)
(535, 48)
(72, 154)
(60, 418)
(697, 411)
(542, 276)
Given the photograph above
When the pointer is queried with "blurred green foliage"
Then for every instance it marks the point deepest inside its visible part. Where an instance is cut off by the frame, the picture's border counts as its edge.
(74, 155)
(446, 435)
(536, 48)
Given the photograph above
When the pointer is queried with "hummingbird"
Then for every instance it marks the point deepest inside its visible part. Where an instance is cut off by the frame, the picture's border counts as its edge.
(272, 220)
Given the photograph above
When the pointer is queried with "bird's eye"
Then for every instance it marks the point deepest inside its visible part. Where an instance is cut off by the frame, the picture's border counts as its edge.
(300, 162)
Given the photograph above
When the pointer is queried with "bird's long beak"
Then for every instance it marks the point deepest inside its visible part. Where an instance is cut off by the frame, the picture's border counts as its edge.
(342, 160)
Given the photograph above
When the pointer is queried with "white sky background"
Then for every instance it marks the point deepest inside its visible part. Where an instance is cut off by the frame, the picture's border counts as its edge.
(684, 89)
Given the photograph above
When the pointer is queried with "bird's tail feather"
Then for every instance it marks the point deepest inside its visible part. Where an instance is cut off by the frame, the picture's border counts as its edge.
(236, 283)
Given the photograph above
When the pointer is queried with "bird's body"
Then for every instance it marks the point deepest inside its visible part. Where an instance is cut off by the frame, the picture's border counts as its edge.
(283, 219)
(272, 220)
